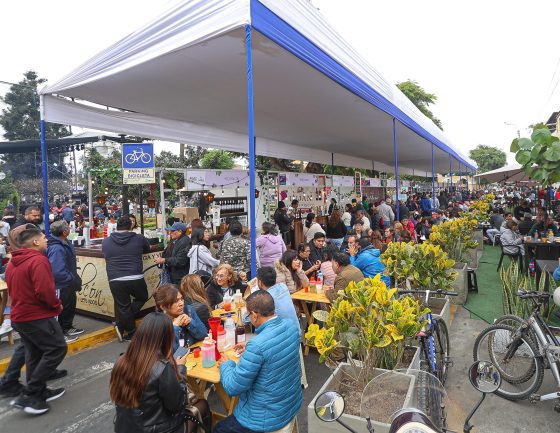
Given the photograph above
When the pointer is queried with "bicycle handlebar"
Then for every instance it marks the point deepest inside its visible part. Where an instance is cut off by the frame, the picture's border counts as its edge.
(523, 294)
(423, 292)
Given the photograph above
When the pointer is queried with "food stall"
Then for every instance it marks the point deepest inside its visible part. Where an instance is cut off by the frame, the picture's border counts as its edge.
(95, 298)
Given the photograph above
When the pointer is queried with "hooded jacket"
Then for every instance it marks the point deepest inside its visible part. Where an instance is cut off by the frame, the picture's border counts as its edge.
(201, 259)
(368, 261)
(123, 254)
(62, 257)
(270, 249)
(31, 287)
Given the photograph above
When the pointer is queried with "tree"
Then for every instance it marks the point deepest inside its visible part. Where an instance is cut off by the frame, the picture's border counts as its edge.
(539, 155)
(193, 155)
(488, 158)
(20, 121)
(168, 159)
(217, 159)
(419, 97)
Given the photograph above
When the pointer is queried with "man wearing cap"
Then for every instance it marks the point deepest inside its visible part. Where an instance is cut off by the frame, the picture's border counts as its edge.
(175, 256)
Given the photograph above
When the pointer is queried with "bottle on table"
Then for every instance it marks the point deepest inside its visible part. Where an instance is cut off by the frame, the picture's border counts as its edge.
(221, 339)
(319, 282)
(239, 329)
(230, 332)
(550, 236)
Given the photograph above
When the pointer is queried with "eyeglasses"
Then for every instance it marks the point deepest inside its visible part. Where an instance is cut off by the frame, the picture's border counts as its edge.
(221, 276)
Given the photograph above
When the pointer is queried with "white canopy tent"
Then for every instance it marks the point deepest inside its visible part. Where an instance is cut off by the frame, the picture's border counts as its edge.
(510, 173)
(187, 76)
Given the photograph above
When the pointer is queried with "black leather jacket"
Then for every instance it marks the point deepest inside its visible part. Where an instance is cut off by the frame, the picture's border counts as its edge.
(160, 407)
(177, 258)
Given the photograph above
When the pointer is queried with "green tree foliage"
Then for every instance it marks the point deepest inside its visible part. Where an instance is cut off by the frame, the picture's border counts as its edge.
(217, 159)
(8, 193)
(539, 155)
(488, 158)
(20, 121)
(168, 159)
(420, 98)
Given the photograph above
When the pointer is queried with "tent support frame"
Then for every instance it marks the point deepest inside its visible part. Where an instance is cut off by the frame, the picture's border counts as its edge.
(251, 135)
(44, 172)
(396, 154)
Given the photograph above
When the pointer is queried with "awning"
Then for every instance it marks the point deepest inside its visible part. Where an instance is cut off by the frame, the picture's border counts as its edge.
(509, 173)
(183, 78)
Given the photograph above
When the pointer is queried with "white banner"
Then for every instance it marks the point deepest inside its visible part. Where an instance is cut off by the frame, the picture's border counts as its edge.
(346, 181)
(198, 180)
(135, 176)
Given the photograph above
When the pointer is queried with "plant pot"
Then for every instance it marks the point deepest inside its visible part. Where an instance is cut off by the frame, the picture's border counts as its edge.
(355, 422)
(460, 285)
(443, 305)
(479, 237)
(471, 257)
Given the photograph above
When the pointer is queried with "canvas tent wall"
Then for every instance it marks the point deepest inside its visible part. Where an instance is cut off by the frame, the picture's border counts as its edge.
(184, 77)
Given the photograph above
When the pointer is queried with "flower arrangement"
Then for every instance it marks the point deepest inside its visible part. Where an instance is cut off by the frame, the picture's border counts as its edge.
(421, 266)
(479, 209)
(368, 325)
(455, 237)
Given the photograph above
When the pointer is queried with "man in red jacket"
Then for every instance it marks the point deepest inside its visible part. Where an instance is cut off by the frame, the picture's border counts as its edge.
(33, 311)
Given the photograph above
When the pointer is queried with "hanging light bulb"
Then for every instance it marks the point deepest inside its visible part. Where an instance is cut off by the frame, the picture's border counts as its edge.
(222, 190)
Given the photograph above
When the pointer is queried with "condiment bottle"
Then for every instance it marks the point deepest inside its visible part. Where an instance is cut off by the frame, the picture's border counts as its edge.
(239, 329)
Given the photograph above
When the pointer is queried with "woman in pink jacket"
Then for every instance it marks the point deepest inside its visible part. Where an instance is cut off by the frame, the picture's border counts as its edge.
(270, 245)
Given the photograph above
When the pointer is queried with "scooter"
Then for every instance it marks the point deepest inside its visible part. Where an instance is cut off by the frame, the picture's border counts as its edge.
(483, 375)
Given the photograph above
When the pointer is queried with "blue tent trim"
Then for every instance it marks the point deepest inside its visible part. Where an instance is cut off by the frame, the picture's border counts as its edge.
(272, 26)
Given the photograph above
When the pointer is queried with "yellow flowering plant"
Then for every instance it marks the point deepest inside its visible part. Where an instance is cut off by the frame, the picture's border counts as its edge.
(419, 266)
(455, 237)
(369, 325)
(480, 209)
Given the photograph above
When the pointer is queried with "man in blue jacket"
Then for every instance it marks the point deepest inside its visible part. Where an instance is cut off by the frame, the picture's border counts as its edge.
(62, 256)
(367, 259)
(267, 377)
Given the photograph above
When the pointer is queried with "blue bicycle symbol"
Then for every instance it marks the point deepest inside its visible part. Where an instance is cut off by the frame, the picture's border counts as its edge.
(138, 155)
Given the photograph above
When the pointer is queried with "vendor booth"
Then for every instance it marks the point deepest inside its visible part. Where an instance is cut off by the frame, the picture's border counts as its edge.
(260, 77)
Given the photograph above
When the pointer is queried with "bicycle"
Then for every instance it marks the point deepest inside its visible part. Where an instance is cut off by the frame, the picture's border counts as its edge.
(521, 353)
(138, 155)
(434, 357)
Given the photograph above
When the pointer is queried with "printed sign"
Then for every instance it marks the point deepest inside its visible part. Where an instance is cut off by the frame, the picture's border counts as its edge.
(138, 163)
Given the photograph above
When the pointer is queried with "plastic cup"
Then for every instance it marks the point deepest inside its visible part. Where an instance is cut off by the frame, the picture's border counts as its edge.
(227, 306)
(306, 288)
(196, 352)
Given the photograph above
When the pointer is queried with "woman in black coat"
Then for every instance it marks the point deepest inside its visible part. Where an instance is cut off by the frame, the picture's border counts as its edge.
(175, 256)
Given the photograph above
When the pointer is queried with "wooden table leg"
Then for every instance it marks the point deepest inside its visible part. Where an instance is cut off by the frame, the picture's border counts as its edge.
(197, 387)
(228, 402)
(310, 320)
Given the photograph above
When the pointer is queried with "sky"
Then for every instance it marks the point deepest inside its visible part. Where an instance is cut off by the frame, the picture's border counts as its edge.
(488, 62)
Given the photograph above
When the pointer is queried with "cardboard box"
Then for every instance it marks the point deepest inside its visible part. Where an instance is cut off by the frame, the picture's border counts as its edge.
(185, 214)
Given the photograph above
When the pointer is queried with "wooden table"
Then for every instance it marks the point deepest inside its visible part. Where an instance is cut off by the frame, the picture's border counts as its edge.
(314, 298)
(198, 377)
(542, 250)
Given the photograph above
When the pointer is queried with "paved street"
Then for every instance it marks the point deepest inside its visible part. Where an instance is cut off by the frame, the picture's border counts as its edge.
(86, 406)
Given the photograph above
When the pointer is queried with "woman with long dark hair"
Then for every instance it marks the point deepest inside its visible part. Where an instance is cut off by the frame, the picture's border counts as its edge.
(200, 256)
(336, 230)
(289, 271)
(149, 387)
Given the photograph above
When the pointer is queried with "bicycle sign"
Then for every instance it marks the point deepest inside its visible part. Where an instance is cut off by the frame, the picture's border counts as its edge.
(138, 163)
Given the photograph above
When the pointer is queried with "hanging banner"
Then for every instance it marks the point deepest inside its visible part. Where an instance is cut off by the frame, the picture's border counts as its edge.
(298, 179)
(391, 183)
(372, 182)
(358, 185)
(346, 181)
(208, 179)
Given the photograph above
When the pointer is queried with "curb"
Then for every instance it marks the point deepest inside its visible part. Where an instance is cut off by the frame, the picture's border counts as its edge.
(85, 342)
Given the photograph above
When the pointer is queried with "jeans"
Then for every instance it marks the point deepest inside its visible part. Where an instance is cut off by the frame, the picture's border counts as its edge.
(13, 372)
(231, 425)
(45, 348)
(337, 242)
(126, 309)
(68, 300)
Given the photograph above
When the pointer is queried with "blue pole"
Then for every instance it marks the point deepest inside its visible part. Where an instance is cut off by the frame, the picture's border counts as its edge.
(450, 174)
(433, 175)
(251, 134)
(44, 172)
(396, 153)
(460, 177)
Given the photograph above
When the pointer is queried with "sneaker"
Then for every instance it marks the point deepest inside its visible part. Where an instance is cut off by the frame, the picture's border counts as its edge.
(11, 389)
(52, 394)
(70, 338)
(20, 402)
(73, 331)
(118, 331)
(57, 374)
(35, 406)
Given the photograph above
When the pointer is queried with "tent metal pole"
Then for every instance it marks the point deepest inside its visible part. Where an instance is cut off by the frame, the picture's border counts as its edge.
(396, 154)
(162, 203)
(450, 174)
(460, 176)
(251, 135)
(433, 176)
(44, 172)
(90, 198)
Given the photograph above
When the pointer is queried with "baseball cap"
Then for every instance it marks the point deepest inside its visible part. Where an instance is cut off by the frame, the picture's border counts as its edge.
(178, 226)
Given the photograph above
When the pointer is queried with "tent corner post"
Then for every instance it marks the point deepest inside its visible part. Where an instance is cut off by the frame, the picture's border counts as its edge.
(44, 172)
(433, 177)
(396, 154)
(252, 157)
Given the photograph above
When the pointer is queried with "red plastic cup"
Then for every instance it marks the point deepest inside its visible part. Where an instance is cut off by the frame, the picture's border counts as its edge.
(227, 306)
(196, 352)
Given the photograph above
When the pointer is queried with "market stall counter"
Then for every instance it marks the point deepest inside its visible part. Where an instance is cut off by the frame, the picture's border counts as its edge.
(95, 298)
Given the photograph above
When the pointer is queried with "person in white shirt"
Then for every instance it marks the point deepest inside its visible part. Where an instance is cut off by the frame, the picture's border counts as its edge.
(347, 216)
(311, 227)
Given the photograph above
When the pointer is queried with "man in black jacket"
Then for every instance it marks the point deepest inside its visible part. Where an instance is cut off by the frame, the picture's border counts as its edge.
(317, 246)
(31, 215)
(176, 255)
(283, 221)
(125, 271)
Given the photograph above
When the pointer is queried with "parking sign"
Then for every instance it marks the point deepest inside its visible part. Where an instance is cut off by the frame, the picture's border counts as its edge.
(138, 163)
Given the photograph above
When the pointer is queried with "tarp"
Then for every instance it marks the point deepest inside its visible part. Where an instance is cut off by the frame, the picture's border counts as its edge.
(183, 78)
(509, 173)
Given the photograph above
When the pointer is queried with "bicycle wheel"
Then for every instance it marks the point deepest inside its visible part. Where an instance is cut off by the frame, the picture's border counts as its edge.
(422, 389)
(522, 373)
(146, 158)
(129, 158)
(516, 322)
(441, 346)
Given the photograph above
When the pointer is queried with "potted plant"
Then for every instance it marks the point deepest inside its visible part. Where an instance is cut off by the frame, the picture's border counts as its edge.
(422, 266)
(479, 210)
(369, 327)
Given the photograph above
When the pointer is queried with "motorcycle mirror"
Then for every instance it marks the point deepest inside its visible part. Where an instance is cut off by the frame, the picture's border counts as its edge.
(329, 406)
(485, 377)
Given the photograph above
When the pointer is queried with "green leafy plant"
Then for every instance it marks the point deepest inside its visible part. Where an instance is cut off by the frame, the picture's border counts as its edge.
(368, 325)
(539, 155)
(455, 237)
(422, 266)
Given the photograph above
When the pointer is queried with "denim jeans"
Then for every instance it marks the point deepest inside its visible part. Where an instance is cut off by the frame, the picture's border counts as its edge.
(13, 371)
(231, 425)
